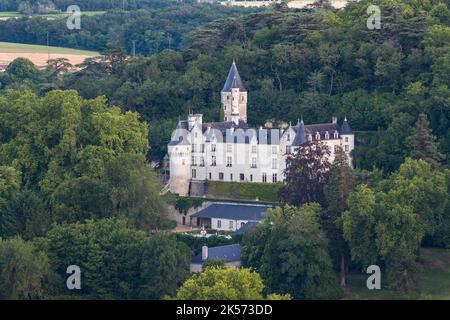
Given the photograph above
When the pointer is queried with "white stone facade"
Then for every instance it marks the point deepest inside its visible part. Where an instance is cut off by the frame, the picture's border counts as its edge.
(231, 151)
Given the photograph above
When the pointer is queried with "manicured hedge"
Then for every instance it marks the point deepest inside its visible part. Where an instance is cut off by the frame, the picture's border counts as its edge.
(266, 192)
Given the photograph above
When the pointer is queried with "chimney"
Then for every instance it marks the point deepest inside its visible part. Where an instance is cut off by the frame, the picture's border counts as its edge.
(334, 119)
(204, 253)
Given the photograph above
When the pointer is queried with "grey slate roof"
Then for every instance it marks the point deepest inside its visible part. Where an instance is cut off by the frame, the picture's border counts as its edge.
(228, 253)
(233, 212)
(345, 128)
(233, 80)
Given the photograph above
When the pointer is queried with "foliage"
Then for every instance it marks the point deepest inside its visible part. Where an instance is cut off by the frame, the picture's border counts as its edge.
(222, 284)
(22, 270)
(117, 261)
(184, 204)
(266, 192)
(341, 184)
(306, 174)
(385, 226)
(295, 256)
(423, 143)
(84, 160)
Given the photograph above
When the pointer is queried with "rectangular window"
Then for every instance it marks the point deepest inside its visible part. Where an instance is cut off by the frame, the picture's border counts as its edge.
(253, 149)
(228, 147)
(220, 175)
(194, 173)
(202, 148)
(231, 177)
(288, 149)
(241, 177)
(346, 139)
(274, 150)
(229, 161)
(194, 161)
(274, 163)
(213, 161)
(274, 178)
(231, 224)
(336, 148)
(209, 176)
(202, 161)
(213, 148)
(194, 149)
(253, 162)
(219, 224)
(264, 177)
(251, 178)
(347, 148)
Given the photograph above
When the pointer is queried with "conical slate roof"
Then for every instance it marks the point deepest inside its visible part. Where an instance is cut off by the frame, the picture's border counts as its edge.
(345, 128)
(233, 80)
(300, 136)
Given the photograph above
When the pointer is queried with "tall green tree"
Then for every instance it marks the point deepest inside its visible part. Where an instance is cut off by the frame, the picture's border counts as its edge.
(423, 143)
(295, 257)
(340, 185)
(23, 270)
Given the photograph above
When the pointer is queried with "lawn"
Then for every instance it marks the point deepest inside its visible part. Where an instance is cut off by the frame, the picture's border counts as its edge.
(10, 47)
(434, 280)
(40, 54)
(10, 14)
(15, 14)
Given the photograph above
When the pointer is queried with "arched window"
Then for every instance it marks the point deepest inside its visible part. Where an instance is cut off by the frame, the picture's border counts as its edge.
(327, 135)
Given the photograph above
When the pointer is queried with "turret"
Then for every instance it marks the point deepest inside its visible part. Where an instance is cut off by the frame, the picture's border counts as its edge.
(347, 139)
(234, 97)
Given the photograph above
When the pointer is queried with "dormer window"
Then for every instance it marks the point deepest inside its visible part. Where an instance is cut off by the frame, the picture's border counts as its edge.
(336, 134)
(327, 135)
(317, 135)
(309, 137)
(288, 137)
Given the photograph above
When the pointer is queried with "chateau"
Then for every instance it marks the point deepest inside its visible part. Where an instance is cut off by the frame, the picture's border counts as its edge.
(232, 151)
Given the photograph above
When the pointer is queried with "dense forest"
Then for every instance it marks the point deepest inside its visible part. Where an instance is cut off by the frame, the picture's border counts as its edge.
(85, 5)
(76, 186)
(153, 29)
(316, 64)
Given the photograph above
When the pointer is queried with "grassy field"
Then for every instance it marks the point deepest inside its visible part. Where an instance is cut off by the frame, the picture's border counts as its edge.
(9, 14)
(40, 54)
(10, 47)
(434, 281)
(13, 14)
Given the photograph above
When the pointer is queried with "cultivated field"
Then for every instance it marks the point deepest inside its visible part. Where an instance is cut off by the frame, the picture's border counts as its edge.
(40, 54)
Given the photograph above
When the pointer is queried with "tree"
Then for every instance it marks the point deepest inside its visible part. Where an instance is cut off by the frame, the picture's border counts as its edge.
(117, 261)
(381, 229)
(222, 284)
(294, 256)
(423, 143)
(307, 172)
(9, 184)
(165, 265)
(23, 68)
(341, 184)
(22, 270)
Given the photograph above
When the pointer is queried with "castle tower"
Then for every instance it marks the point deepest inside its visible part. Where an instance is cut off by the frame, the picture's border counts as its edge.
(179, 151)
(347, 140)
(234, 97)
